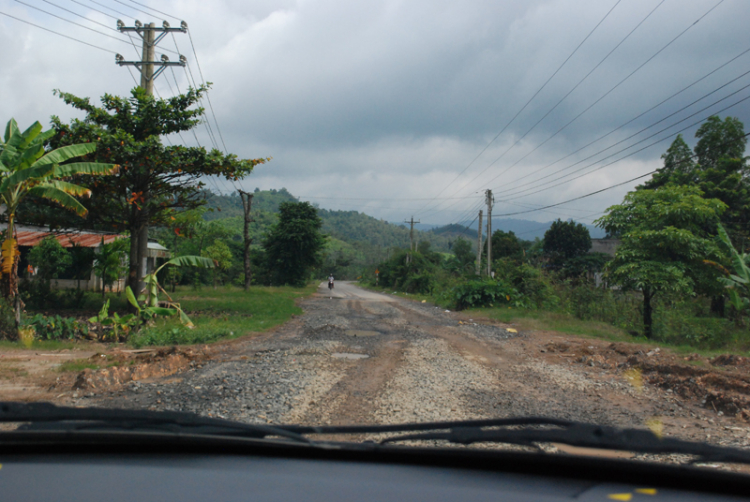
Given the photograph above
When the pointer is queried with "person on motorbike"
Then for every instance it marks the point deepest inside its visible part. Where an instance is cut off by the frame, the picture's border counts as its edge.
(330, 281)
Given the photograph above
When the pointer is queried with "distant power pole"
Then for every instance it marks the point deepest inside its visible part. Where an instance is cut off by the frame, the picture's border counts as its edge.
(411, 236)
(490, 201)
(139, 245)
(479, 244)
(247, 202)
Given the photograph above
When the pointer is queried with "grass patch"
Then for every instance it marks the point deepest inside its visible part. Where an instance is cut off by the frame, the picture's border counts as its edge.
(76, 365)
(226, 312)
(390, 291)
(539, 320)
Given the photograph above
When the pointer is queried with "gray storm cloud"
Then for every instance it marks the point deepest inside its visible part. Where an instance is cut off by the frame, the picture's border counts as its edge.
(378, 106)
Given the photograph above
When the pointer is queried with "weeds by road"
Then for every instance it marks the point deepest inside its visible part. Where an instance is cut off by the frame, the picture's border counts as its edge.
(735, 340)
(225, 312)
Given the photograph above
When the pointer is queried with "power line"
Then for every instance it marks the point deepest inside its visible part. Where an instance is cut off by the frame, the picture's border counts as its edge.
(208, 97)
(79, 15)
(526, 104)
(155, 10)
(94, 9)
(59, 34)
(514, 189)
(563, 99)
(71, 22)
(108, 7)
(611, 89)
(602, 190)
(517, 194)
(639, 116)
(139, 10)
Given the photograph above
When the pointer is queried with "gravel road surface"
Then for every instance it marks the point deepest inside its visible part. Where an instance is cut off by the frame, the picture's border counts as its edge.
(361, 357)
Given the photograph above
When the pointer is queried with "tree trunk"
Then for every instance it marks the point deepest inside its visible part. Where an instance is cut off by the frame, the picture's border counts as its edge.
(718, 305)
(247, 202)
(647, 313)
(142, 254)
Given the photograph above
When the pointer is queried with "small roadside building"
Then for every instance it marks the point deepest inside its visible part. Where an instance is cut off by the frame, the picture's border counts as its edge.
(83, 277)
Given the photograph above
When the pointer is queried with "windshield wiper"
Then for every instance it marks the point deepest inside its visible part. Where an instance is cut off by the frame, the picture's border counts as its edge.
(50, 417)
(524, 431)
(531, 431)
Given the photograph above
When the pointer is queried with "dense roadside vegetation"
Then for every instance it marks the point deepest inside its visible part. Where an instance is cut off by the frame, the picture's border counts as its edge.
(679, 276)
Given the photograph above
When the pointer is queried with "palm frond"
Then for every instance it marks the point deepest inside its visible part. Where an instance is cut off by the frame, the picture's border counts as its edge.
(25, 175)
(188, 261)
(90, 168)
(68, 188)
(64, 153)
(56, 195)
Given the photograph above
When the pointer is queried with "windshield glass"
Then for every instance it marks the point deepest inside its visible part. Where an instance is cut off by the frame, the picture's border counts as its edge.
(331, 213)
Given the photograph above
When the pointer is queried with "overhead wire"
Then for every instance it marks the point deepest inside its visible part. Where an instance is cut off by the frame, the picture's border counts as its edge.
(517, 194)
(139, 10)
(79, 15)
(610, 90)
(559, 102)
(71, 22)
(108, 7)
(597, 191)
(514, 189)
(155, 10)
(94, 9)
(527, 102)
(607, 93)
(665, 100)
(57, 33)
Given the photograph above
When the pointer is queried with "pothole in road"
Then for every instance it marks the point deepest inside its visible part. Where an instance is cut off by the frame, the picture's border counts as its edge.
(349, 355)
(359, 332)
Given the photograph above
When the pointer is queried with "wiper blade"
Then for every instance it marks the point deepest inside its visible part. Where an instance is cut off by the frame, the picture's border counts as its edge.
(531, 431)
(583, 435)
(49, 416)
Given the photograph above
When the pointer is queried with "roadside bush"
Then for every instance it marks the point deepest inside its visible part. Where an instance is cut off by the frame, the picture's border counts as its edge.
(485, 293)
(414, 276)
(56, 327)
(529, 281)
(8, 328)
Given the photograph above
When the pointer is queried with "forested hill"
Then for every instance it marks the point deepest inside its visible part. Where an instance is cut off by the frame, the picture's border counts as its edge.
(347, 226)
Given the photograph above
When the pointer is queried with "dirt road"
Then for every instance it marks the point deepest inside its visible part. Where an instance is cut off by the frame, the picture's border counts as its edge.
(362, 357)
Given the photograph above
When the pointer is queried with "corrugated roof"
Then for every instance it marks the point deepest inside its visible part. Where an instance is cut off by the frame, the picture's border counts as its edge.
(66, 240)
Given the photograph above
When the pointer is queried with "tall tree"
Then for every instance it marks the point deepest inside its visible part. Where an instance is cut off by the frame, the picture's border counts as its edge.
(506, 245)
(294, 245)
(565, 240)
(155, 180)
(664, 243)
(717, 167)
(678, 166)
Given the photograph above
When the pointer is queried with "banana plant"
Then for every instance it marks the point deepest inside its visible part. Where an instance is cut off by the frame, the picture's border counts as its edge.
(120, 325)
(27, 168)
(737, 283)
(150, 298)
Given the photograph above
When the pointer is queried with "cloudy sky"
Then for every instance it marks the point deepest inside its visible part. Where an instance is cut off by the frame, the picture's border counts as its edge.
(400, 108)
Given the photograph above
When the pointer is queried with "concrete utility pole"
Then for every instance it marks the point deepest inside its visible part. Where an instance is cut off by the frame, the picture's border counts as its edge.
(490, 201)
(479, 244)
(411, 237)
(139, 245)
(247, 202)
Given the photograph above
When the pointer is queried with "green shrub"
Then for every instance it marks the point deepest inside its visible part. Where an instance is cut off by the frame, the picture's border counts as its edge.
(56, 327)
(485, 293)
(8, 328)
